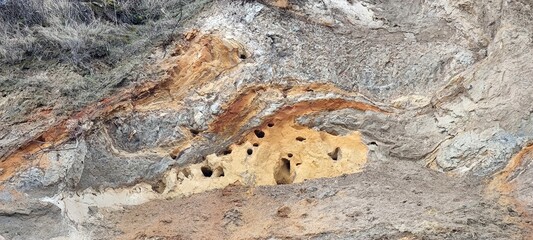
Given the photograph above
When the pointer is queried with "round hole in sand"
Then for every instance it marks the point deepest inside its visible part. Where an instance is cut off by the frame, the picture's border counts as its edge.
(259, 133)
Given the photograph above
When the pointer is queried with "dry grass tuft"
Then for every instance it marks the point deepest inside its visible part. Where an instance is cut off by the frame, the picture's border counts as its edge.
(78, 31)
(64, 54)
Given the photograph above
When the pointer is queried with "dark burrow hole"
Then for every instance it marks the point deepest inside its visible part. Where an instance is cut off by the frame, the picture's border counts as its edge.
(270, 124)
(249, 151)
(242, 56)
(301, 139)
(259, 133)
(335, 155)
(373, 143)
(206, 171)
(289, 155)
(40, 139)
(286, 164)
(194, 132)
(282, 174)
(227, 152)
(256, 144)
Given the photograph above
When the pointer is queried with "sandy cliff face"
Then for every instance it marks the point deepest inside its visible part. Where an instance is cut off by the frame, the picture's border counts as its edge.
(296, 119)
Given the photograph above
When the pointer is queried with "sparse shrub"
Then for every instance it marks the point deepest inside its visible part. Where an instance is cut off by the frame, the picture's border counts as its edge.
(79, 51)
(76, 31)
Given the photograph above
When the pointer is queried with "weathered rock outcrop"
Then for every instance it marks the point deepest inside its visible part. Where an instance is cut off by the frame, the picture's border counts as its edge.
(296, 119)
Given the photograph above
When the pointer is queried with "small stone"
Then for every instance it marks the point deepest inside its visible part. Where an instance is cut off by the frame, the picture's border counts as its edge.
(327, 193)
(354, 215)
(233, 217)
(311, 189)
(283, 212)
(166, 221)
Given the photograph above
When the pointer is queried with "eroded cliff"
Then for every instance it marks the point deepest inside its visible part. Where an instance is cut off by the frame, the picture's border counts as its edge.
(295, 119)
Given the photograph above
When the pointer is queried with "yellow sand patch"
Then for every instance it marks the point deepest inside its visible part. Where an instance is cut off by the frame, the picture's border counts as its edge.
(277, 154)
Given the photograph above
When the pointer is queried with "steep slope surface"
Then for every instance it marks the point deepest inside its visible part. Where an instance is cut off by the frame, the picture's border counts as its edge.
(297, 119)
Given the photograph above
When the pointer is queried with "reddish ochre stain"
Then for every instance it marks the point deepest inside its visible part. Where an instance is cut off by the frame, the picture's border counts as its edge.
(211, 49)
(242, 108)
(201, 59)
(504, 186)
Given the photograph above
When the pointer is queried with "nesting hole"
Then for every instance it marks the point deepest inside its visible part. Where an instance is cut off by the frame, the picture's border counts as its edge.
(249, 151)
(256, 144)
(286, 164)
(194, 132)
(373, 143)
(259, 133)
(270, 124)
(242, 56)
(289, 155)
(300, 139)
(282, 173)
(207, 171)
(40, 139)
(227, 152)
(335, 155)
